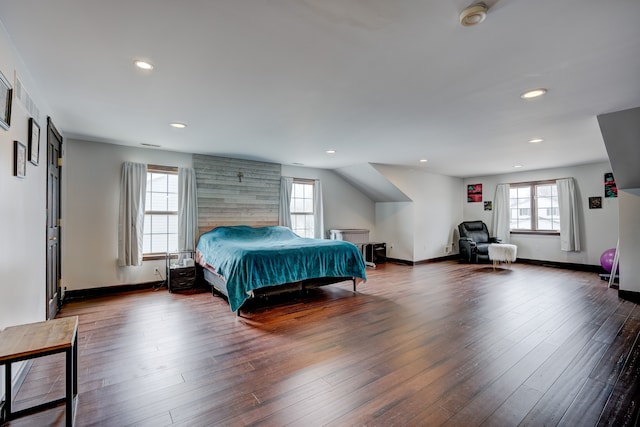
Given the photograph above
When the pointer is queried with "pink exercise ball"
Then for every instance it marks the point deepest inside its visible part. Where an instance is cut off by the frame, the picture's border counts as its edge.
(606, 260)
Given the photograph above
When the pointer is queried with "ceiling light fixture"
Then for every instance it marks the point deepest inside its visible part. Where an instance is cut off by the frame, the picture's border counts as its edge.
(517, 166)
(331, 151)
(144, 65)
(536, 140)
(423, 160)
(533, 93)
(178, 125)
(474, 14)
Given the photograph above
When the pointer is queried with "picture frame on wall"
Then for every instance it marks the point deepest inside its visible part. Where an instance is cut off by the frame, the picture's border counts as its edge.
(19, 159)
(610, 188)
(474, 193)
(6, 92)
(34, 142)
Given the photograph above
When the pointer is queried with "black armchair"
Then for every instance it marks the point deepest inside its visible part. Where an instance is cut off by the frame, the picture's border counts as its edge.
(474, 241)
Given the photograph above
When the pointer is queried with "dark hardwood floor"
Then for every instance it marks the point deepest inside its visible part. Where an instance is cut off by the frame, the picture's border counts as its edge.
(434, 344)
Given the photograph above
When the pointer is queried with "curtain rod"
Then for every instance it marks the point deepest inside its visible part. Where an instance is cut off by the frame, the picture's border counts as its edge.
(541, 181)
(301, 179)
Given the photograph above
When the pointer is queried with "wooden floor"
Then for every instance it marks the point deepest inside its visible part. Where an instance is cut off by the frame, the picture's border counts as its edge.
(434, 344)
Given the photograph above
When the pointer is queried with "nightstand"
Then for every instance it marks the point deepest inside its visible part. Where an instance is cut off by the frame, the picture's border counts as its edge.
(181, 270)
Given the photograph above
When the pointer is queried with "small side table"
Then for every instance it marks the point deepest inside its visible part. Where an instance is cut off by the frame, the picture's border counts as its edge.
(181, 270)
(40, 339)
(502, 252)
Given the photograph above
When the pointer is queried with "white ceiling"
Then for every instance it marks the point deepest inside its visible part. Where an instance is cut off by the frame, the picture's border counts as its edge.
(379, 81)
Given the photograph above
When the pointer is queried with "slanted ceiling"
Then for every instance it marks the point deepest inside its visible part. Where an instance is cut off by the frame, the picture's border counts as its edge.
(367, 179)
(379, 81)
(240, 192)
(621, 134)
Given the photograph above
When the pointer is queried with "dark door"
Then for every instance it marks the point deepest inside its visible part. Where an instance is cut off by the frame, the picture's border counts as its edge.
(54, 219)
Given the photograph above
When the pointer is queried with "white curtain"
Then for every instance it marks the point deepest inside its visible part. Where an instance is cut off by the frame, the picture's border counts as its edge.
(501, 213)
(187, 209)
(133, 189)
(569, 222)
(318, 217)
(284, 217)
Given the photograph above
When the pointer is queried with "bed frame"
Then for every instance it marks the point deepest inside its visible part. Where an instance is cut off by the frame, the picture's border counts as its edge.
(218, 285)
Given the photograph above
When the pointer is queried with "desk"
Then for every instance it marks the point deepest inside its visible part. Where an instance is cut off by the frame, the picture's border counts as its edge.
(502, 252)
(33, 340)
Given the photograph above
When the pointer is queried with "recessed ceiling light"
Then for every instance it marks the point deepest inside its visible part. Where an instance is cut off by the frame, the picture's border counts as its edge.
(143, 64)
(517, 166)
(536, 140)
(178, 125)
(533, 93)
(423, 160)
(331, 151)
(474, 14)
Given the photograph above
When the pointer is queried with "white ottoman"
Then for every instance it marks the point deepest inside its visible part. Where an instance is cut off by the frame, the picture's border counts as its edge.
(502, 252)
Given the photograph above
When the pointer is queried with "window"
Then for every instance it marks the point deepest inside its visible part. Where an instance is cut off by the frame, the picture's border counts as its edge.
(302, 209)
(534, 207)
(161, 211)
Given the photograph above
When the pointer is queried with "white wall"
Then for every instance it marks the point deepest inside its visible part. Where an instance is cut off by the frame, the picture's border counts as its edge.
(394, 226)
(436, 210)
(90, 203)
(23, 207)
(22, 210)
(344, 205)
(599, 230)
(91, 179)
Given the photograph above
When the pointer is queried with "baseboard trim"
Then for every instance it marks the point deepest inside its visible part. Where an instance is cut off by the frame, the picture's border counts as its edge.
(398, 261)
(438, 259)
(80, 294)
(424, 261)
(554, 264)
(629, 296)
(565, 265)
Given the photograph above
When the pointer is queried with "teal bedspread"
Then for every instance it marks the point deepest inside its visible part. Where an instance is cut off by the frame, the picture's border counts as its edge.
(251, 258)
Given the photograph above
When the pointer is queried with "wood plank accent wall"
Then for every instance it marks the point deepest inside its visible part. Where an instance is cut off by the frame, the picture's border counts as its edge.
(224, 200)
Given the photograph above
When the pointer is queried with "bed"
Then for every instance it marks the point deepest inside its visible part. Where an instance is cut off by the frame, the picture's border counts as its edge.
(243, 262)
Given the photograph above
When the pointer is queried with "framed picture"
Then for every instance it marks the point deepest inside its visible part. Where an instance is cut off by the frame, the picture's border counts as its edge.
(5, 102)
(488, 205)
(595, 202)
(610, 188)
(19, 159)
(474, 193)
(34, 141)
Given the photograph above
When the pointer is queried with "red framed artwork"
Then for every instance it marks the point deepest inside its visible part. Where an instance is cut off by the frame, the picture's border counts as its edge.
(474, 193)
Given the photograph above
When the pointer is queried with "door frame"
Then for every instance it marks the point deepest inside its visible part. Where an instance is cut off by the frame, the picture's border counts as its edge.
(53, 263)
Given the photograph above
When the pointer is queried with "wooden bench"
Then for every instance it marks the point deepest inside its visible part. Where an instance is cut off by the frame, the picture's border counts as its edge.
(24, 342)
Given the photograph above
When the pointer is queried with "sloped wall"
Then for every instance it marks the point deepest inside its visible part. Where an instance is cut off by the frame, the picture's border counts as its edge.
(422, 229)
(621, 134)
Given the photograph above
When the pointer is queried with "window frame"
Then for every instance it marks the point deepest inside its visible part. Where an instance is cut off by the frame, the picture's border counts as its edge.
(534, 208)
(310, 182)
(168, 170)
